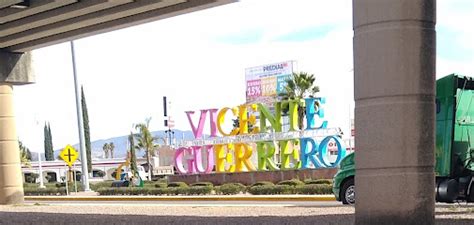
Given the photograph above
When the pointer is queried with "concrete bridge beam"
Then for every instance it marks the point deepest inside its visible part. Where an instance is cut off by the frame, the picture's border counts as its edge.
(394, 77)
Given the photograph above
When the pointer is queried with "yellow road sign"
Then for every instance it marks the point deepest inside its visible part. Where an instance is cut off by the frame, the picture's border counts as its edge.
(69, 155)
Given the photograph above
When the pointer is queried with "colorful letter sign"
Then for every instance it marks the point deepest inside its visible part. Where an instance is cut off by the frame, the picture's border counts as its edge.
(299, 148)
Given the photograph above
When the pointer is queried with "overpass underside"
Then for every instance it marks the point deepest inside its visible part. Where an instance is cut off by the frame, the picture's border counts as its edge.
(29, 24)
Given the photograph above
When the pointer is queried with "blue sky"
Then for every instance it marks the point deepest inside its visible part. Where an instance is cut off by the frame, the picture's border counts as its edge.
(198, 60)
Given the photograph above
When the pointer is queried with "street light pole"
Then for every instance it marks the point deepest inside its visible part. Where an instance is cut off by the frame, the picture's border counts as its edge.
(85, 172)
(40, 168)
(40, 171)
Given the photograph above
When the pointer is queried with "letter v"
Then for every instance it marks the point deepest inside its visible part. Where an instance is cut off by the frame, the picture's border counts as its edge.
(202, 119)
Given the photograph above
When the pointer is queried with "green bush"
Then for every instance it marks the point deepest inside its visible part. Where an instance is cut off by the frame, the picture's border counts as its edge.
(36, 185)
(225, 189)
(30, 185)
(230, 189)
(319, 181)
(71, 186)
(108, 191)
(51, 185)
(284, 189)
(149, 184)
(139, 191)
(33, 191)
(200, 190)
(202, 184)
(178, 190)
(177, 184)
(158, 191)
(124, 191)
(243, 188)
(161, 185)
(292, 182)
(262, 183)
(155, 191)
(261, 189)
(104, 191)
(271, 189)
(314, 189)
(96, 186)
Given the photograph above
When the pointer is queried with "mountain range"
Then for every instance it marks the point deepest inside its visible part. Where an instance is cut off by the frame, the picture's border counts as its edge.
(121, 144)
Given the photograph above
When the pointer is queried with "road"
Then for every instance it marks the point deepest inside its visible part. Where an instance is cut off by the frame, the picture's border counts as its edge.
(202, 212)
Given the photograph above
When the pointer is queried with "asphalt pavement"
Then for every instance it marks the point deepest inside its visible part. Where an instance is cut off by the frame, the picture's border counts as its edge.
(201, 212)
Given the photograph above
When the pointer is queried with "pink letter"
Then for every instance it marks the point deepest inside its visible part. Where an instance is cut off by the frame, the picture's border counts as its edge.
(178, 160)
(197, 131)
(186, 153)
(213, 115)
(198, 158)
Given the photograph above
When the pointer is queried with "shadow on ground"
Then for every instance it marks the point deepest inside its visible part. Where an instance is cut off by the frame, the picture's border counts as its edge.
(34, 218)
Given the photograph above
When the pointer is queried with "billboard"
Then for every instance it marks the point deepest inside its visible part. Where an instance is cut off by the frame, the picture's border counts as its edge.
(264, 83)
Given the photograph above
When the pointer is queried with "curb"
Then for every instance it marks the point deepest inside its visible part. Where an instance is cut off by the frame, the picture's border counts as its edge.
(180, 198)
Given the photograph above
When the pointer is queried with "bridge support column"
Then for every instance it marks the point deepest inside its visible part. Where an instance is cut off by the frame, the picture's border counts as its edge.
(15, 68)
(394, 77)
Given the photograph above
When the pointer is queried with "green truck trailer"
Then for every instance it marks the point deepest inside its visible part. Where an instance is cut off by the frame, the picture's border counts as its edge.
(454, 152)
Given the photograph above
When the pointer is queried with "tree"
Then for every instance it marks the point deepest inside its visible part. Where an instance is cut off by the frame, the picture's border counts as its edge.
(25, 154)
(48, 143)
(146, 142)
(299, 86)
(111, 149)
(87, 135)
(31, 178)
(236, 124)
(105, 148)
(133, 157)
(101, 173)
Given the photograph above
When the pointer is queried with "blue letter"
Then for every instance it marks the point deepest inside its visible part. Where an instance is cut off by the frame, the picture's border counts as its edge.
(310, 112)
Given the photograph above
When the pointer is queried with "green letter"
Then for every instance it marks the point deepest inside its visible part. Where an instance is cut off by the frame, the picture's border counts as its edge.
(266, 151)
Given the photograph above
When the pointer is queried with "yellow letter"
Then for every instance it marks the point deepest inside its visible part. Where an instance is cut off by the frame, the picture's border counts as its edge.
(220, 121)
(243, 152)
(223, 155)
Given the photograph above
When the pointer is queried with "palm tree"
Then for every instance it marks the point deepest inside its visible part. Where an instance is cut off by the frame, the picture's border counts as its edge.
(133, 157)
(105, 148)
(299, 86)
(25, 154)
(111, 149)
(146, 142)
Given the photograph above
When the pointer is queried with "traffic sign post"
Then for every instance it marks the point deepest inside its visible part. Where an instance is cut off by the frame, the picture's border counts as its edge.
(74, 174)
(66, 181)
(69, 155)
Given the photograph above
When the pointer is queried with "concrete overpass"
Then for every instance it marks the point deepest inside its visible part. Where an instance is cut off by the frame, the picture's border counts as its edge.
(394, 69)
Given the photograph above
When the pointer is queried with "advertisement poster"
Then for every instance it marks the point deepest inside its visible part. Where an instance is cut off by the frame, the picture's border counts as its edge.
(265, 83)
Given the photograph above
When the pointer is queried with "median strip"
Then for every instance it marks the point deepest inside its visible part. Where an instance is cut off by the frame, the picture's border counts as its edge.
(182, 198)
